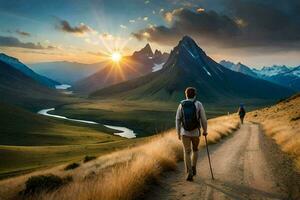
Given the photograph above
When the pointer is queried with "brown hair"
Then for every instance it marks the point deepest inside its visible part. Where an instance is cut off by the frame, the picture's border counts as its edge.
(190, 92)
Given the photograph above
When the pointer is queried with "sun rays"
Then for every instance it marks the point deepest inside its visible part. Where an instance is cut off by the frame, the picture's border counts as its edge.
(118, 65)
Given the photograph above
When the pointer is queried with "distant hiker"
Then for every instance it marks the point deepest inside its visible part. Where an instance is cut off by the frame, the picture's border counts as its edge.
(242, 113)
(190, 117)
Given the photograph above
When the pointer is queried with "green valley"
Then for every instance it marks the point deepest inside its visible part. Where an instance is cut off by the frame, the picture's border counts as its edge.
(30, 141)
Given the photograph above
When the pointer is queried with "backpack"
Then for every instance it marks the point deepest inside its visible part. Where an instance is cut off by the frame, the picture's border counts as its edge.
(242, 111)
(189, 114)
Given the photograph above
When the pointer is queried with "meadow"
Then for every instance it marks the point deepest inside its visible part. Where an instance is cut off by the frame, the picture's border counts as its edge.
(30, 141)
(123, 174)
(33, 142)
(144, 117)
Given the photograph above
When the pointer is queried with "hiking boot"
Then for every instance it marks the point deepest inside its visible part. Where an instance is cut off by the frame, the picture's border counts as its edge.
(194, 171)
(189, 177)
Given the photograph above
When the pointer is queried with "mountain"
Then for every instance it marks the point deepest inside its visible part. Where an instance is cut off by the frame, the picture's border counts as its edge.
(14, 62)
(58, 70)
(188, 65)
(290, 78)
(271, 71)
(282, 75)
(144, 52)
(239, 67)
(19, 89)
(159, 57)
(139, 63)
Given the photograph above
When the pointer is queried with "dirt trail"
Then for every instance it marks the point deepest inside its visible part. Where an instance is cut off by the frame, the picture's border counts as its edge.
(240, 169)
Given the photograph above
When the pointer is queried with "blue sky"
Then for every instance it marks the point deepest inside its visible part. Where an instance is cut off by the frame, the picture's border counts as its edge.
(77, 30)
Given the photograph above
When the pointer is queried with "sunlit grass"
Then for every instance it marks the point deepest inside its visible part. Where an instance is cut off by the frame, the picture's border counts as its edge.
(123, 174)
(282, 123)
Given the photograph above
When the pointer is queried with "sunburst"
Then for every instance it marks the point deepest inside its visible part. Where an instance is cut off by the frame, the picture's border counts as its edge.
(116, 57)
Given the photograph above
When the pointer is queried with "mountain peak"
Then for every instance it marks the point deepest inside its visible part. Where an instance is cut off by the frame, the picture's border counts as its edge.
(187, 40)
(144, 52)
(157, 53)
(147, 49)
(187, 53)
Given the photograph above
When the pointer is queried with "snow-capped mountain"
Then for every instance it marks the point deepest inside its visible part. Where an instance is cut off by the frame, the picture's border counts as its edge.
(188, 65)
(272, 70)
(294, 71)
(282, 75)
(279, 74)
(290, 78)
(14, 62)
(239, 67)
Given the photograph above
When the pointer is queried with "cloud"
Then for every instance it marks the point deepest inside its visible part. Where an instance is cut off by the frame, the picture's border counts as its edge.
(65, 26)
(23, 33)
(8, 41)
(168, 17)
(123, 26)
(209, 25)
(242, 23)
(200, 10)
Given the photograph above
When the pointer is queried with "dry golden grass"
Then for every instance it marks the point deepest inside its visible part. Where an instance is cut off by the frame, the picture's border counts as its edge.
(123, 174)
(282, 123)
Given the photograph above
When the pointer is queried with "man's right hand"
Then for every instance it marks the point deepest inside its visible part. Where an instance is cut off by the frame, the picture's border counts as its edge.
(205, 133)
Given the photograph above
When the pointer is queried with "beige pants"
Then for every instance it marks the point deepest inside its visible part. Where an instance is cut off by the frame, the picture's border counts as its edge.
(190, 158)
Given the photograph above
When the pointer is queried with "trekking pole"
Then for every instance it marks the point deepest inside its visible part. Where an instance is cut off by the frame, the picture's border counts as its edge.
(212, 175)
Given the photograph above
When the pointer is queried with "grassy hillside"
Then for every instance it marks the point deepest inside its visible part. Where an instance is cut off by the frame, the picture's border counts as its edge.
(123, 174)
(282, 123)
(19, 89)
(31, 141)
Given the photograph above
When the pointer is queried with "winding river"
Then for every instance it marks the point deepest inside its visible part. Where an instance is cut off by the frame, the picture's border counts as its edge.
(125, 132)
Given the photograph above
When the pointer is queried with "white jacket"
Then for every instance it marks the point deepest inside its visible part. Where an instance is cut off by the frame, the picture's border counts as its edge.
(201, 116)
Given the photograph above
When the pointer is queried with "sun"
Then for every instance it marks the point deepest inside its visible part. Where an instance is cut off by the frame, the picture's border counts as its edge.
(116, 57)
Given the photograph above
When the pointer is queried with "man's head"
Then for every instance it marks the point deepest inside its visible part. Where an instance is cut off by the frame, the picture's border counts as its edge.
(190, 92)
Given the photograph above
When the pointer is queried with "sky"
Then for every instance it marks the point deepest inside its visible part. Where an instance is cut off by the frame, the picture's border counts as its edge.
(255, 32)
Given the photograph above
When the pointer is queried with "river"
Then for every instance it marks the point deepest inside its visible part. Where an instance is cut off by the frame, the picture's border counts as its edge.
(125, 132)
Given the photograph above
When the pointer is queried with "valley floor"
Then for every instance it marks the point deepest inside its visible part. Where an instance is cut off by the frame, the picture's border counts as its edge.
(243, 169)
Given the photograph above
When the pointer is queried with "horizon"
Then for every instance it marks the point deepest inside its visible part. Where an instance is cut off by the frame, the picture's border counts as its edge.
(80, 32)
(124, 55)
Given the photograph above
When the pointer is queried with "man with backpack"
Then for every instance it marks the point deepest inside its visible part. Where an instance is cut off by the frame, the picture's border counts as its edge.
(190, 117)
(242, 113)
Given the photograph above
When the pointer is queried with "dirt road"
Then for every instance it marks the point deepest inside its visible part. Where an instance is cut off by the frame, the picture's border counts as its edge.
(240, 168)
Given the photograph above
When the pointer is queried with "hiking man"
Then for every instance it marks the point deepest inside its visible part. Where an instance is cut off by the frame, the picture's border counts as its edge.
(242, 113)
(190, 117)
